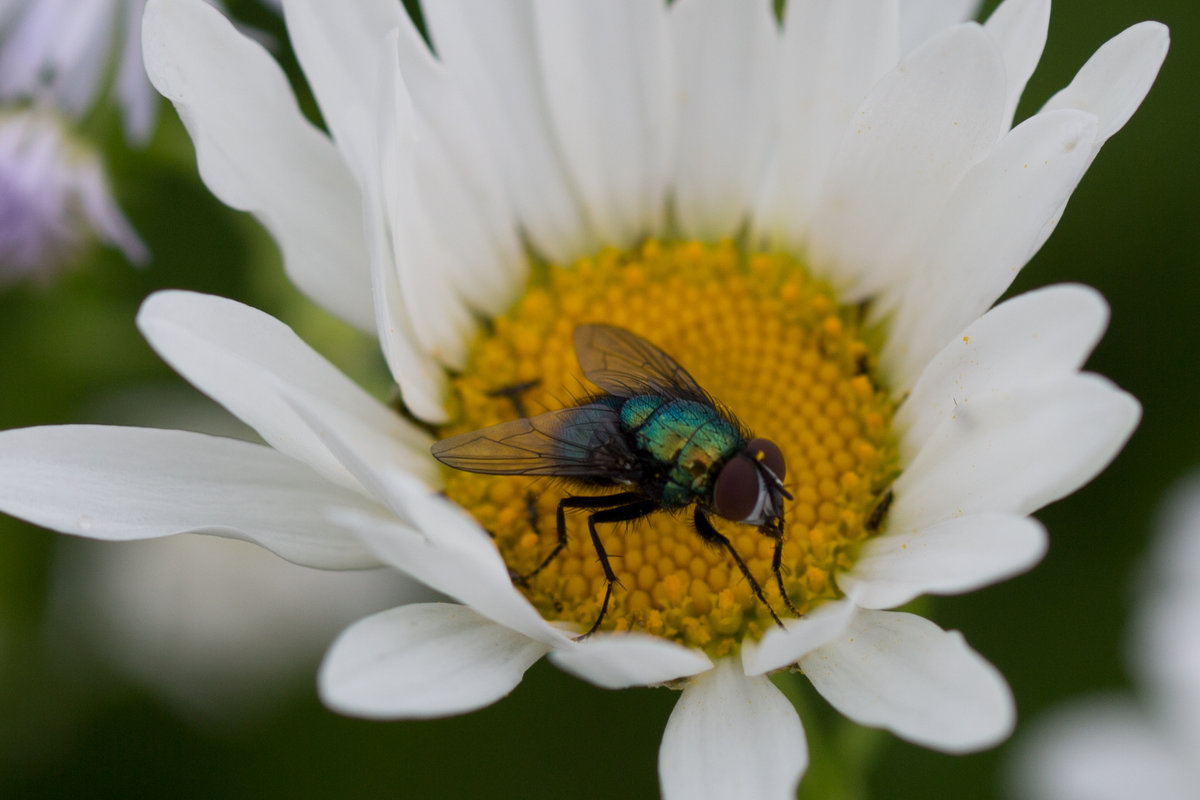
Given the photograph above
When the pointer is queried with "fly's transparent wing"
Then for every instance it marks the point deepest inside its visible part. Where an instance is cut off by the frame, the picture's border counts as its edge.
(625, 364)
(583, 442)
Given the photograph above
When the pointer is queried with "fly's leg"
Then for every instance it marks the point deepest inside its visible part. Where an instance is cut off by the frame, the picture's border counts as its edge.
(625, 513)
(776, 567)
(710, 534)
(513, 393)
(602, 501)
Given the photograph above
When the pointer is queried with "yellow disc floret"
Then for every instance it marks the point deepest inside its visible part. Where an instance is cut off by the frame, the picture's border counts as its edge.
(774, 347)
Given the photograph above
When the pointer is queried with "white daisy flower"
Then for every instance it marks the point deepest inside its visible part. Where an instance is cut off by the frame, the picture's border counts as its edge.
(54, 199)
(811, 217)
(1114, 747)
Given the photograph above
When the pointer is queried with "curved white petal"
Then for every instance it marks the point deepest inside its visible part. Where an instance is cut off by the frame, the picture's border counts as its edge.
(256, 367)
(903, 673)
(621, 660)
(952, 557)
(1016, 453)
(137, 483)
(726, 61)
(732, 736)
(459, 182)
(1035, 337)
(340, 47)
(420, 379)
(831, 54)
(1019, 28)
(1115, 80)
(778, 649)
(992, 224)
(440, 318)
(448, 551)
(606, 70)
(491, 50)
(922, 125)
(257, 153)
(1102, 750)
(921, 19)
(423, 660)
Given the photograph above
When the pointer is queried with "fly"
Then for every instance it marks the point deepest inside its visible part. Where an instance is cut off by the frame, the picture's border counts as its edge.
(653, 433)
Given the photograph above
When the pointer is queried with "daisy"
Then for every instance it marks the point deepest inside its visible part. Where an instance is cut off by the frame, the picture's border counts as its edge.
(812, 217)
(1114, 747)
(54, 199)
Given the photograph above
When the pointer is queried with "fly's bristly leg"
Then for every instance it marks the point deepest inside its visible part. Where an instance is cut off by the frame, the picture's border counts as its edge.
(777, 568)
(514, 392)
(710, 534)
(601, 501)
(626, 513)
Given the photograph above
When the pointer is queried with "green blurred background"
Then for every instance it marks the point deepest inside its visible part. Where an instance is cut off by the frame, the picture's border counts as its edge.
(72, 726)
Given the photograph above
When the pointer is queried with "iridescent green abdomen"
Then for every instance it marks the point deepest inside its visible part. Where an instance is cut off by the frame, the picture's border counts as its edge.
(688, 438)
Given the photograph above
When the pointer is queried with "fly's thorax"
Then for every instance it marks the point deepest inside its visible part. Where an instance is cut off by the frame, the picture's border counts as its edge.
(771, 343)
(685, 441)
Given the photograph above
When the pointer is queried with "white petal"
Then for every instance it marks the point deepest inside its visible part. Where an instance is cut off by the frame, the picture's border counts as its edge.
(903, 673)
(137, 483)
(256, 367)
(992, 224)
(906, 148)
(621, 660)
(726, 62)
(778, 649)
(440, 318)
(921, 19)
(1019, 28)
(459, 182)
(948, 558)
(1035, 337)
(340, 47)
(1014, 454)
(420, 379)
(257, 153)
(491, 50)
(1104, 749)
(449, 552)
(1115, 80)
(606, 70)
(831, 54)
(423, 660)
(732, 736)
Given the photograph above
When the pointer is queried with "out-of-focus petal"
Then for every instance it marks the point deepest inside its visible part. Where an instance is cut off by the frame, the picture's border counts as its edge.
(136, 483)
(732, 736)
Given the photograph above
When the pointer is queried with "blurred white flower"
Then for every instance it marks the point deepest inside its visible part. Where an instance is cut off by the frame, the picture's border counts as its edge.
(54, 199)
(1118, 747)
(62, 50)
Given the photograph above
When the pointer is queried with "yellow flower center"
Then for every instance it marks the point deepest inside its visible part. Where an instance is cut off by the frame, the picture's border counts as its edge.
(767, 341)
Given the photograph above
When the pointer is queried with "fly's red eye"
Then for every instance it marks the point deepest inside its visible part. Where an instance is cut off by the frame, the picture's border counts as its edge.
(735, 495)
(767, 452)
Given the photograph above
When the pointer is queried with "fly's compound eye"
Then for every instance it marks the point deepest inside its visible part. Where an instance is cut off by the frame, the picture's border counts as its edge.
(768, 454)
(736, 493)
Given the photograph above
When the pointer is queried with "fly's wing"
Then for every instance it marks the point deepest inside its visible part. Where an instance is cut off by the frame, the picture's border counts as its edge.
(625, 364)
(583, 442)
